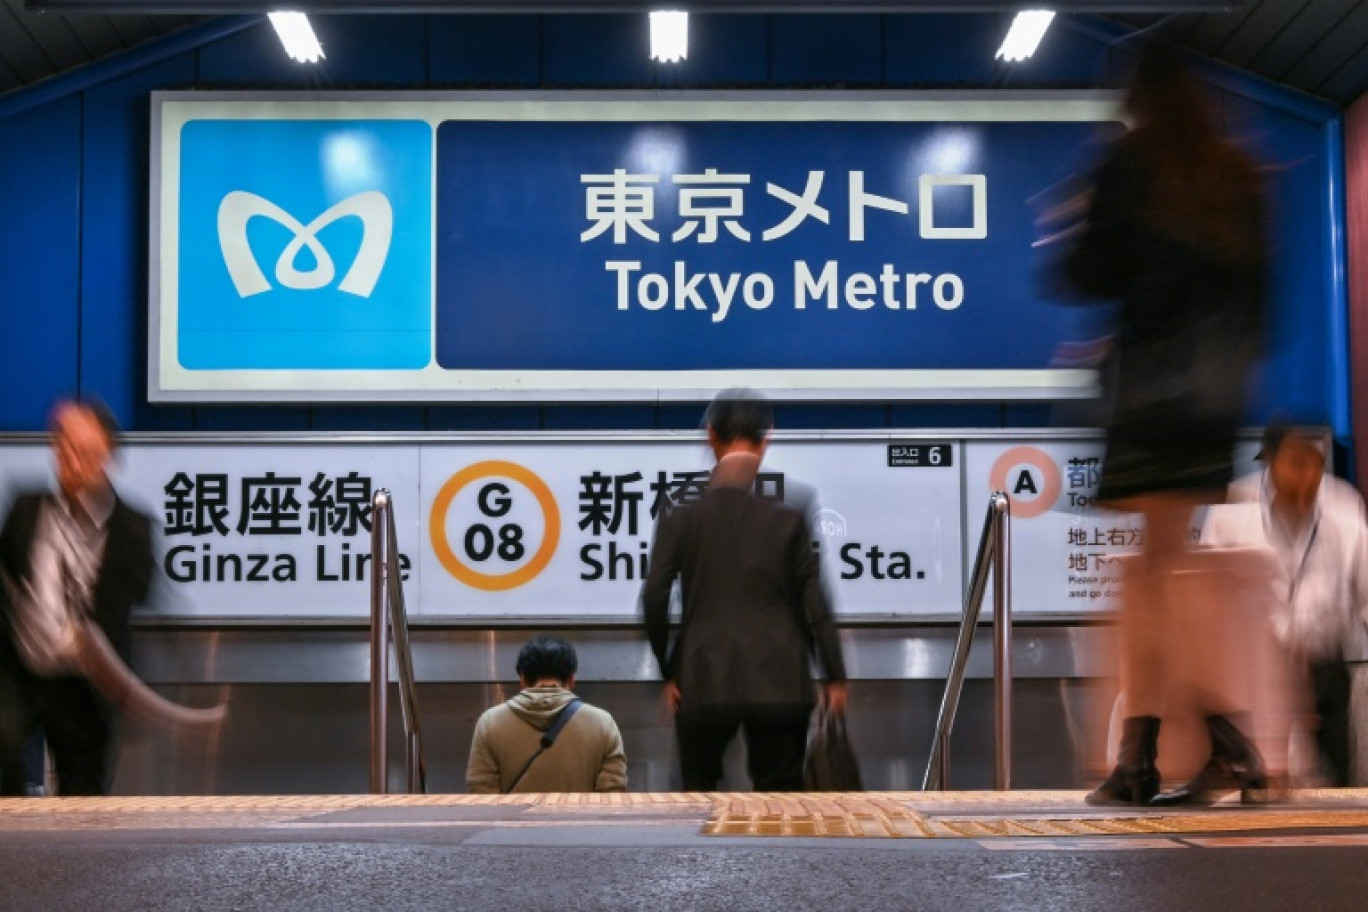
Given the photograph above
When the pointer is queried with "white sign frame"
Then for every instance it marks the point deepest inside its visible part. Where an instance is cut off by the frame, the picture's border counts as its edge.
(169, 382)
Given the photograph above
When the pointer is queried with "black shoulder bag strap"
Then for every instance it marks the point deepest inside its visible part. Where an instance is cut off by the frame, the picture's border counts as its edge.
(548, 738)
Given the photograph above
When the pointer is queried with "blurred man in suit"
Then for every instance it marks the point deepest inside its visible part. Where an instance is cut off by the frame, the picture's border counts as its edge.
(754, 613)
(68, 558)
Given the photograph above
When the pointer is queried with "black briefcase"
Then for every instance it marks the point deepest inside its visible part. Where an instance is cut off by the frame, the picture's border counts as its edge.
(831, 765)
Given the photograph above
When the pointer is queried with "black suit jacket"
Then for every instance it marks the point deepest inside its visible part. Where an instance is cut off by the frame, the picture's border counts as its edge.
(125, 574)
(754, 611)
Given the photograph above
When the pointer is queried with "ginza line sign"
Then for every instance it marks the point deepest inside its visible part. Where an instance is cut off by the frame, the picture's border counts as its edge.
(622, 206)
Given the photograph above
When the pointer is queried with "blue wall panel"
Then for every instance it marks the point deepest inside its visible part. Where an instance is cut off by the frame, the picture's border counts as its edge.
(1065, 57)
(590, 50)
(366, 417)
(254, 56)
(1035, 414)
(815, 416)
(40, 248)
(590, 417)
(723, 51)
(358, 50)
(484, 418)
(680, 417)
(252, 418)
(114, 226)
(941, 50)
(826, 50)
(961, 49)
(73, 186)
(937, 415)
(498, 50)
(1298, 375)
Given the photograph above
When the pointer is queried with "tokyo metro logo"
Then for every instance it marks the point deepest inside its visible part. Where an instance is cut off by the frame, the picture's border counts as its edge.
(305, 245)
(240, 207)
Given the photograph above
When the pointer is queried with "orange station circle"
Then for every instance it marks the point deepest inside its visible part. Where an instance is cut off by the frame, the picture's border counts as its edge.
(494, 582)
(1037, 459)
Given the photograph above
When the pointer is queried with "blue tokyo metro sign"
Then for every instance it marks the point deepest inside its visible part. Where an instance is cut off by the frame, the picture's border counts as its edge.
(427, 247)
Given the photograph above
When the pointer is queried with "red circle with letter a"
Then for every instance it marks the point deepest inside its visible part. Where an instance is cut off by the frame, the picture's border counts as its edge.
(1029, 478)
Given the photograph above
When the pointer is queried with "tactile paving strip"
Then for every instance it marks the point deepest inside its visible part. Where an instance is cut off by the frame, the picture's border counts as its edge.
(898, 815)
(821, 815)
(166, 804)
(916, 815)
(266, 811)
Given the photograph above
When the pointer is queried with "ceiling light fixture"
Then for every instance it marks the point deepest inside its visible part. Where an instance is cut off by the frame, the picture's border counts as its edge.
(1024, 36)
(669, 36)
(298, 36)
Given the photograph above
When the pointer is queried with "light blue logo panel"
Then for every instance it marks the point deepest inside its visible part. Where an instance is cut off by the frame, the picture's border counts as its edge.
(305, 245)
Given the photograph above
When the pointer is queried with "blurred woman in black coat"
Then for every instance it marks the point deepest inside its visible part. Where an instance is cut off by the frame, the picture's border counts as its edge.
(1176, 233)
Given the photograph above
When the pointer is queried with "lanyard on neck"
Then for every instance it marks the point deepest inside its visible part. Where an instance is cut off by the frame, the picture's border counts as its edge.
(1294, 579)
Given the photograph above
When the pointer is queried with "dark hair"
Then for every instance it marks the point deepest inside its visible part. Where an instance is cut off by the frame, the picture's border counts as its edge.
(1201, 189)
(740, 414)
(102, 414)
(105, 416)
(1279, 428)
(547, 657)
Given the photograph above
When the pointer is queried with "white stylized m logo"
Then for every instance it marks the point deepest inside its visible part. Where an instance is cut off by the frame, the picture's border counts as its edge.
(239, 207)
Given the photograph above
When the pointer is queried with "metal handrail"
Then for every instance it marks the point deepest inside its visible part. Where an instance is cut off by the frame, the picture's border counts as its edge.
(389, 621)
(994, 553)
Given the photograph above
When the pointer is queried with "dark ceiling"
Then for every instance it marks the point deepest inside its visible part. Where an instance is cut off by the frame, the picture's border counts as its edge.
(34, 46)
(1317, 46)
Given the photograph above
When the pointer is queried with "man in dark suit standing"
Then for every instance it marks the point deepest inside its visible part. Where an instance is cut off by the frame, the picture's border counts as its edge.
(67, 558)
(754, 613)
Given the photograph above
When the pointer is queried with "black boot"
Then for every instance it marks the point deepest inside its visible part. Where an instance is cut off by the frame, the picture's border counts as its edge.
(1234, 764)
(1135, 779)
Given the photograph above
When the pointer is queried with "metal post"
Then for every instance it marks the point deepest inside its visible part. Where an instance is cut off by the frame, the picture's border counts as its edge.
(379, 650)
(943, 769)
(938, 765)
(403, 658)
(1002, 640)
(414, 760)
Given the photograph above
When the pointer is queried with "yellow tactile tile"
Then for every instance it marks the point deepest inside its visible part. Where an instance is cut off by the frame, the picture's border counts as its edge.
(936, 815)
(643, 802)
(917, 815)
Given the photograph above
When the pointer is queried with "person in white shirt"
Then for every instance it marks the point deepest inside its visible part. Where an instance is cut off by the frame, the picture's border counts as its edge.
(1317, 527)
(71, 560)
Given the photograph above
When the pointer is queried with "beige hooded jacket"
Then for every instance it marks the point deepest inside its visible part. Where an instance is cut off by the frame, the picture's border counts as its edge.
(587, 756)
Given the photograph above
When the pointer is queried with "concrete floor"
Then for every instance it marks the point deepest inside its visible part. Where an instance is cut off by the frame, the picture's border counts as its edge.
(339, 855)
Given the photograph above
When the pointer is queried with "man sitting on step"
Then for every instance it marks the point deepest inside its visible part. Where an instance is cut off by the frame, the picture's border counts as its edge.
(546, 739)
